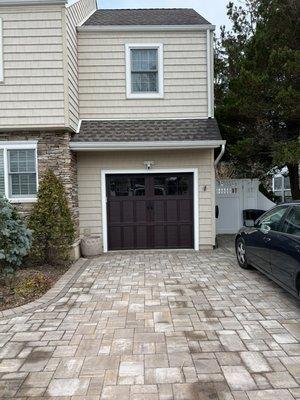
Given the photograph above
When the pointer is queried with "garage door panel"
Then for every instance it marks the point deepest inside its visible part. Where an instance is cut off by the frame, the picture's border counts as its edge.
(141, 211)
(172, 236)
(159, 236)
(172, 211)
(158, 210)
(186, 235)
(115, 237)
(128, 237)
(185, 210)
(141, 236)
(128, 211)
(114, 211)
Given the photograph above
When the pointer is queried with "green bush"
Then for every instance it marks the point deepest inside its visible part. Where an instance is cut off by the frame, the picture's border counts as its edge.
(15, 238)
(51, 222)
(32, 285)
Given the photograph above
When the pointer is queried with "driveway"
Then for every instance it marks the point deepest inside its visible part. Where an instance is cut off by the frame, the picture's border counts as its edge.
(156, 325)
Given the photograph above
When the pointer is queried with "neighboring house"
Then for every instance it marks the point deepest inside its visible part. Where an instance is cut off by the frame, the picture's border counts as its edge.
(121, 109)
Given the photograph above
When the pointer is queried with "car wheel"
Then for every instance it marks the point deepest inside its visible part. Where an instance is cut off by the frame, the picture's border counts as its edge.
(241, 255)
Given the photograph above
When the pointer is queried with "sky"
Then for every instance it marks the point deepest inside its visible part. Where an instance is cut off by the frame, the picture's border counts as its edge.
(213, 10)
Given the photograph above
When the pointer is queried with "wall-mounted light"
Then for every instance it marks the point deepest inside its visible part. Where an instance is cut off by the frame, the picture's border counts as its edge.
(148, 164)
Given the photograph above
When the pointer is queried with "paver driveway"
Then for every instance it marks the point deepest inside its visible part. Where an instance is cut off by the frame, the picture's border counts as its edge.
(157, 325)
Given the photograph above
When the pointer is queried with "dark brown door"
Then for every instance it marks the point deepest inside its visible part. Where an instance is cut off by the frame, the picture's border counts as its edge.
(153, 211)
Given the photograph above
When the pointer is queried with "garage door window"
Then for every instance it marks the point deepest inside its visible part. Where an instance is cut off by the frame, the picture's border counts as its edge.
(127, 186)
(171, 186)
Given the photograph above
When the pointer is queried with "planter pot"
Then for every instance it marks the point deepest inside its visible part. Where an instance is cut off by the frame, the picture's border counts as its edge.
(90, 246)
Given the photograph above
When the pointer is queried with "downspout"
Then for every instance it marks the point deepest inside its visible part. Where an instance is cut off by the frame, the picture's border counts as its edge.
(217, 160)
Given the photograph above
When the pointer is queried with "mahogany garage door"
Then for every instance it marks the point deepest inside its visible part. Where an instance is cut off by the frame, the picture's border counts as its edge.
(151, 211)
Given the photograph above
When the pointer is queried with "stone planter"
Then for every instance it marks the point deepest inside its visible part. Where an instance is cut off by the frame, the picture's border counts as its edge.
(90, 246)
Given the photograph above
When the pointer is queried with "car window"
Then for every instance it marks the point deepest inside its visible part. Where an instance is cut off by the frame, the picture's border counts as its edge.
(272, 219)
(291, 223)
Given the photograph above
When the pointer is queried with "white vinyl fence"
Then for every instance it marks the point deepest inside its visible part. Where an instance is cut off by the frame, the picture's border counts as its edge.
(232, 197)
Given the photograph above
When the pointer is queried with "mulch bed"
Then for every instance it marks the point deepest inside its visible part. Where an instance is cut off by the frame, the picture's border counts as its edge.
(10, 299)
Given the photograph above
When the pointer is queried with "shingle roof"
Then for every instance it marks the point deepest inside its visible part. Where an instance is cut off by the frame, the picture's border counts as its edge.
(147, 130)
(147, 16)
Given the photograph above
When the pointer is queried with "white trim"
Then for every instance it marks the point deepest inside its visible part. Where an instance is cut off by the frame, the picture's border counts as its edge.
(145, 95)
(1, 52)
(157, 145)
(89, 28)
(18, 145)
(79, 126)
(194, 171)
(208, 73)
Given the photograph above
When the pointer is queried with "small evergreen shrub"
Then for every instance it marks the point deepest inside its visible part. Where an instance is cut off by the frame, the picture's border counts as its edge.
(33, 285)
(15, 238)
(51, 222)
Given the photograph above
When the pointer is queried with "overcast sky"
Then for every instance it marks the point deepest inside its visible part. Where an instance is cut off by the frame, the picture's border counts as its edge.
(213, 10)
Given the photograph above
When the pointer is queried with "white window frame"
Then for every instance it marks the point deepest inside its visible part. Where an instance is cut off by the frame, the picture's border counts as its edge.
(1, 52)
(160, 80)
(26, 145)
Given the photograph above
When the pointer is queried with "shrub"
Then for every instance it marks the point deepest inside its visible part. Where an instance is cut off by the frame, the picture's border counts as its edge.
(15, 238)
(51, 223)
(33, 285)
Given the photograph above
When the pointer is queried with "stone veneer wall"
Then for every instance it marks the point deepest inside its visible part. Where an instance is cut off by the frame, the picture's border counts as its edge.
(53, 152)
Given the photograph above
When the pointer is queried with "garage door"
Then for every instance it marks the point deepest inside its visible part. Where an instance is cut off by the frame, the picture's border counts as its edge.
(152, 211)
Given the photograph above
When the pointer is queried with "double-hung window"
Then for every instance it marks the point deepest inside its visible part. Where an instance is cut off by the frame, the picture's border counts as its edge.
(18, 171)
(144, 71)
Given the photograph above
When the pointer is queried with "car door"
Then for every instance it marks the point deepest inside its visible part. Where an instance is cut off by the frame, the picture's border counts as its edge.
(260, 238)
(285, 249)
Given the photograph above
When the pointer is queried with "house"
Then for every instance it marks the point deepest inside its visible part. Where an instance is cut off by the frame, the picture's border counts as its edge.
(119, 103)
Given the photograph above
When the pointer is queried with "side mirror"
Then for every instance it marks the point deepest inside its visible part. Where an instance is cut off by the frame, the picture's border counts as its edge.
(249, 223)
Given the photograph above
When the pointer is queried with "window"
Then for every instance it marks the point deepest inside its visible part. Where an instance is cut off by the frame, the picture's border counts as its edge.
(144, 71)
(18, 171)
(126, 186)
(291, 224)
(1, 53)
(171, 186)
(272, 220)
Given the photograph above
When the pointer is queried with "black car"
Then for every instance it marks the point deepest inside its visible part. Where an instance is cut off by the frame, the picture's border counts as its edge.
(272, 245)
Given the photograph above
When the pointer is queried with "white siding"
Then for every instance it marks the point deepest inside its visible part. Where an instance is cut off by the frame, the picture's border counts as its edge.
(90, 164)
(32, 93)
(75, 14)
(102, 85)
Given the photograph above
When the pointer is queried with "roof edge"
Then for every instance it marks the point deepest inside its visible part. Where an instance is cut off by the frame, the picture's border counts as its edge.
(194, 27)
(149, 145)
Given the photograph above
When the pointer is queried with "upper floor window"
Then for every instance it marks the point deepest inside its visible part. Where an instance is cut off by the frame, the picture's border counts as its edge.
(144, 71)
(18, 171)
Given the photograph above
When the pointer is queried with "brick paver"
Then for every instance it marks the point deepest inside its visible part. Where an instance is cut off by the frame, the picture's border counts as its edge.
(156, 325)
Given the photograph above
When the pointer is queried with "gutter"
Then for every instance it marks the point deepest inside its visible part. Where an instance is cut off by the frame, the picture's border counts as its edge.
(150, 145)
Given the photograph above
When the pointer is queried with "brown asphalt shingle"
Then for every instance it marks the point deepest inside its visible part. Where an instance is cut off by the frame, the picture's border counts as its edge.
(147, 130)
(150, 16)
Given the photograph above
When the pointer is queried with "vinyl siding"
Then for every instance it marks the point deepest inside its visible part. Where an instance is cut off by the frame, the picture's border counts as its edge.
(90, 164)
(102, 82)
(75, 14)
(40, 87)
(32, 93)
